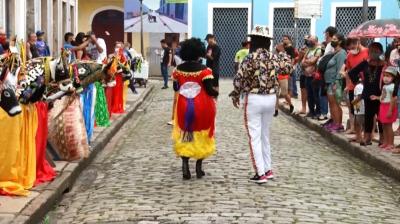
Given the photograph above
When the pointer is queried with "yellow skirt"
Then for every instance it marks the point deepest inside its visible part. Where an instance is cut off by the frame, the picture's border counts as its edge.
(125, 93)
(201, 147)
(18, 151)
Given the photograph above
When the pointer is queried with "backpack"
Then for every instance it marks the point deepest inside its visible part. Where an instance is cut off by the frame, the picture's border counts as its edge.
(323, 63)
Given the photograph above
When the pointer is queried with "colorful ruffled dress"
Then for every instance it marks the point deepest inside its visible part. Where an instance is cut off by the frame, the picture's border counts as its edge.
(195, 112)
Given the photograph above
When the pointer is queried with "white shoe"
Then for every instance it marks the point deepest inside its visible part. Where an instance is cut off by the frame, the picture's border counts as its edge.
(170, 123)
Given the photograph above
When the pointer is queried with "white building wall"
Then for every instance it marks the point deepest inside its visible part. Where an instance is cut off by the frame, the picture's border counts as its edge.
(57, 21)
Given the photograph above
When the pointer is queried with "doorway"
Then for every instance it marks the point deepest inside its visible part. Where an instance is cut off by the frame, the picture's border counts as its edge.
(109, 25)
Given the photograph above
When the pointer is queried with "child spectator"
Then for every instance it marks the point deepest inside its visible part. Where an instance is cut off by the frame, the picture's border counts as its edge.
(359, 112)
(387, 110)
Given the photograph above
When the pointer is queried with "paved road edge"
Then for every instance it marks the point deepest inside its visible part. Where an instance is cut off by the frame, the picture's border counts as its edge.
(374, 158)
(34, 212)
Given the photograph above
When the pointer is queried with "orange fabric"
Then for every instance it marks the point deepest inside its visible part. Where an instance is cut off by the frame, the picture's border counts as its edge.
(352, 61)
(117, 103)
(44, 172)
(18, 151)
(283, 76)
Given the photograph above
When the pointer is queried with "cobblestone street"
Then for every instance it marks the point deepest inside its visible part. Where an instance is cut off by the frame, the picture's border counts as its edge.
(138, 179)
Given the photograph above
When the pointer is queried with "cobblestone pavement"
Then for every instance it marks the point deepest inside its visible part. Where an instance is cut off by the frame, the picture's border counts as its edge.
(137, 179)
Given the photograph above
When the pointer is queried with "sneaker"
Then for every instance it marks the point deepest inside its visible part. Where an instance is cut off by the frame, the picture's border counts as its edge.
(170, 122)
(259, 179)
(336, 128)
(164, 87)
(291, 109)
(322, 118)
(269, 174)
(329, 122)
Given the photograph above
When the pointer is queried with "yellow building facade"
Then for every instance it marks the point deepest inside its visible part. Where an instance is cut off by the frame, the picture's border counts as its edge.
(89, 9)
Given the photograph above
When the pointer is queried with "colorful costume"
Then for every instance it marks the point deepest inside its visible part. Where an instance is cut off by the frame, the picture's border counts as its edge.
(195, 112)
(18, 151)
(100, 110)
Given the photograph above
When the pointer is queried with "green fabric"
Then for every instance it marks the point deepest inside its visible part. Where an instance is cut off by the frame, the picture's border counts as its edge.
(100, 109)
(241, 55)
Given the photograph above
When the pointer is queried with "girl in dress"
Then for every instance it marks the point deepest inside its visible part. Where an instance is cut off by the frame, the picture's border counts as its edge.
(194, 120)
(387, 110)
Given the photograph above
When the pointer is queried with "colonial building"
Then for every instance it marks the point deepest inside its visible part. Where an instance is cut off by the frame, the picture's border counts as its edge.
(231, 20)
(54, 17)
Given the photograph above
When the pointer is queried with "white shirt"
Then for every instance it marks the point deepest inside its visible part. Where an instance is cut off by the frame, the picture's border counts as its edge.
(329, 49)
(359, 109)
(94, 53)
(394, 57)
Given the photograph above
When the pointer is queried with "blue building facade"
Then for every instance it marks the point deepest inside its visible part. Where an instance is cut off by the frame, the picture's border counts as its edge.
(231, 20)
(176, 11)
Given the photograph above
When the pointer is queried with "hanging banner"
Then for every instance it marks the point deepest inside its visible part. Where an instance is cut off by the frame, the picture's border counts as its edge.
(159, 16)
(307, 9)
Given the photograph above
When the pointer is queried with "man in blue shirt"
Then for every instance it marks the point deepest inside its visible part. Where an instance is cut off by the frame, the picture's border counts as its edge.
(41, 46)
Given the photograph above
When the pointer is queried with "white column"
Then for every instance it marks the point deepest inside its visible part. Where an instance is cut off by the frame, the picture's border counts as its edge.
(20, 19)
(68, 17)
(313, 29)
(49, 31)
(38, 15)
(76, 16)
(59, 35)
(3, 14)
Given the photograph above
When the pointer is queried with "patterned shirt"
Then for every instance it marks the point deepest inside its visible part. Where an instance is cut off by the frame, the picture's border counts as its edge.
(258, 73)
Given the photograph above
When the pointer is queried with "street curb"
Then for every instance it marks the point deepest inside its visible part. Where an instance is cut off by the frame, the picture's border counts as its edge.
(384, 163)
(34, 212)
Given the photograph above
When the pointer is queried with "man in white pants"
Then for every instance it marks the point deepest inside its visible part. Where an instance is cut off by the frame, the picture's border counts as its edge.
(257, 81)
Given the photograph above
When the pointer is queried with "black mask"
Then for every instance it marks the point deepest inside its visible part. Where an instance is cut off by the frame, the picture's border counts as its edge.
(334, 44)
(309, 44)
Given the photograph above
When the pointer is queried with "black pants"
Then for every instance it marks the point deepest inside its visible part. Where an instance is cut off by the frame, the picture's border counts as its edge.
(371, 110)
(351, 98)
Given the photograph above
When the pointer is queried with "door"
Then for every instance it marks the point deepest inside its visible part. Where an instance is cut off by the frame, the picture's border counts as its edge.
(284, 23)
(109, 22)
(230, 28)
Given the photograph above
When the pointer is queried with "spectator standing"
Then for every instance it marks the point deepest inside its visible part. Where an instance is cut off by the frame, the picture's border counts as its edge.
(69, 40)
(359, 112)
(303, 90)
(309, 65)
(3, 41)
(41, 45)
(329, 33)
(31, 49)
(81, 53)
(166, 62)
(213, 55)
(357, 54)
(294, 54)
(394, 60)
(97, 49)
(283, 79)
(372, 70)
(387, 110)
(241, 54)
(333, 81)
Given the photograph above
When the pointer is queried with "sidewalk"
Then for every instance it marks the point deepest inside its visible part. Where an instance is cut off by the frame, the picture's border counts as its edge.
(42, 198)
(386, 162)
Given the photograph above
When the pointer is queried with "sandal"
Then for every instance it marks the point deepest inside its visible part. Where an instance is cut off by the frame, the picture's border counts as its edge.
(353, 140)
(389, 148)
(396, 151)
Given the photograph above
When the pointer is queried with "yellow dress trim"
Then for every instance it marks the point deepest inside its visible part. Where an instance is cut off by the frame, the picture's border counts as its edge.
(201, 147)
(208, 77)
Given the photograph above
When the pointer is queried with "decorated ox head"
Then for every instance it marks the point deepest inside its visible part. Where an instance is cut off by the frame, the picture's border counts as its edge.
(8, 99)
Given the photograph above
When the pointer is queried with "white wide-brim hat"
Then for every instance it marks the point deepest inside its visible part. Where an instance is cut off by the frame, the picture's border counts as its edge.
(262, 31)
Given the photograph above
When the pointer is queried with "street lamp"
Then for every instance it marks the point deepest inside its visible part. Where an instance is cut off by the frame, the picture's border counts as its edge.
(141, 28)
